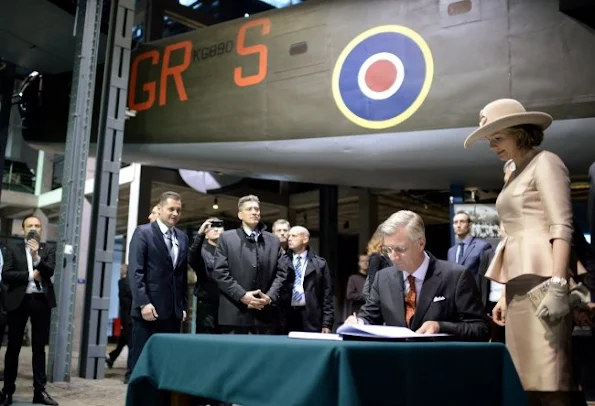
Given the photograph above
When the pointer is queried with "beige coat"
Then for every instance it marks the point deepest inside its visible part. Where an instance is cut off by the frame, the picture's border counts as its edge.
(535, 208)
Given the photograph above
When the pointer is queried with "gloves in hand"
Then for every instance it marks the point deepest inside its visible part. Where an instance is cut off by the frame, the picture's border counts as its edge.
(555, 305)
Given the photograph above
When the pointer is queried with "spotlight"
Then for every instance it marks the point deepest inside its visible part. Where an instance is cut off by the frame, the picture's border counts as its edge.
(215, 205)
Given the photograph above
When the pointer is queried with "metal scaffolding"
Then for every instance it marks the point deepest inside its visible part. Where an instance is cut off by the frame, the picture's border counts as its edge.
(87, 29)
(105, 196)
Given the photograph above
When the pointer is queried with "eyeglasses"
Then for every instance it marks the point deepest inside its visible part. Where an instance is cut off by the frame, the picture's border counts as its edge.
(387, 250)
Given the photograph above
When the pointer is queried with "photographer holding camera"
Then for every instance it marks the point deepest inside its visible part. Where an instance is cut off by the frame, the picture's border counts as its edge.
(201, 257)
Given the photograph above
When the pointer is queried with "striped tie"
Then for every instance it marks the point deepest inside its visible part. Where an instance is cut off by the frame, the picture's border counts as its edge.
(298, 289)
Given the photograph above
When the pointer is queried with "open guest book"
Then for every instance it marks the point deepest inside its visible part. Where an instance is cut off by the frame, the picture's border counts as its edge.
(369, 333)
(388, 333)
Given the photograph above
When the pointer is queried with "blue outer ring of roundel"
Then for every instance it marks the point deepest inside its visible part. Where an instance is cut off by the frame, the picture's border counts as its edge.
(417, 61)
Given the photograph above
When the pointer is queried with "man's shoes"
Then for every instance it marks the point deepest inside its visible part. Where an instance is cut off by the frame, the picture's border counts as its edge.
(126, 379)
(42, 397)
(109, 362)
(5, 399)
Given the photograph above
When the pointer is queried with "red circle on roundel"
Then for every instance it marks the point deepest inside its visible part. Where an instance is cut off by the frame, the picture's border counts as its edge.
(381, 75)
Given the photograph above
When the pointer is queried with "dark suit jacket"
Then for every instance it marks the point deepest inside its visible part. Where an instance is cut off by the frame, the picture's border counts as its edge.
(15, 273)
(243, 265)
(460, 313)
(2, 290)
(203, 263)
(125, 297)
(482, 281)
(471, 255)
(591, 206)
(152, 275)
(318, 289)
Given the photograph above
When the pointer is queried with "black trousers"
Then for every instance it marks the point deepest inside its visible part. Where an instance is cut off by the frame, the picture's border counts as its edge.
(142, 330)
(295, 318)
(207, 317)
(123, 341)
(35, 307)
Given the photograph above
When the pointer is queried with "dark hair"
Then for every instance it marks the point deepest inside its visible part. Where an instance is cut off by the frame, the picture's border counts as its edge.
(466, 214)
(30, 217)
(527, 135)
(169, 195)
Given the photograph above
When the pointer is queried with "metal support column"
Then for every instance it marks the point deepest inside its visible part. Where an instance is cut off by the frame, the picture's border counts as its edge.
(105, 197)
(329, 238)
(6, 88)
(87, 28)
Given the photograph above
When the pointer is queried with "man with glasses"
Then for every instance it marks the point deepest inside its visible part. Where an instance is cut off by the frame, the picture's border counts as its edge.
(419, 291)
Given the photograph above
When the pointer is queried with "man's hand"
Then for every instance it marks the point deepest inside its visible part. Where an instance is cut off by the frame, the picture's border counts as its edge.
(582, 317)
(205, 227)
(183, 316)
(429, 327)
(326, 330)
(352, 319)
(266, 298)
(252, 300)
(149, 313)
(33, 246)
(37, 276)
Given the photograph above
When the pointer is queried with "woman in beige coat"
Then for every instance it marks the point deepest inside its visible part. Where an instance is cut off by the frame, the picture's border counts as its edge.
(535, 209)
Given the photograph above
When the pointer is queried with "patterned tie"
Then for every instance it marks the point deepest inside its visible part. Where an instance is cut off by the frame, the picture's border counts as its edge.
(461, 251)
(169, 243)
(298, 290)
(410, 301)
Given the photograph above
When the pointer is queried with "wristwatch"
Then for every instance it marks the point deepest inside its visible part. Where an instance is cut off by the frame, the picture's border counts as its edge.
(559, 281)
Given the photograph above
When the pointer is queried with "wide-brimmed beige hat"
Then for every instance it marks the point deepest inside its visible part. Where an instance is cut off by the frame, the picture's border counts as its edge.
(505, 113)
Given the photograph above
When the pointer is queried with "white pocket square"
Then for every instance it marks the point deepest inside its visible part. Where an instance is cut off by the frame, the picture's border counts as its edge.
(439, 298)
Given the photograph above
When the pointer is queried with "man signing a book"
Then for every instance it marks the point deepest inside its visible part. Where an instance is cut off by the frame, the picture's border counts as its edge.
(421, 292)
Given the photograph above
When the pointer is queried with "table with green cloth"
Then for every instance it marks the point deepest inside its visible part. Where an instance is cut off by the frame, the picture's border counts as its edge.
(257, 370)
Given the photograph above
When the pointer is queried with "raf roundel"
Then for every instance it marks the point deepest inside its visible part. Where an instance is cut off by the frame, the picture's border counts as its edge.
(383, 76)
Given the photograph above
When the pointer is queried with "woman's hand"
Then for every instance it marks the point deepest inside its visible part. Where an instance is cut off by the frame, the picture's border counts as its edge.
(499, 311)
(555, 305)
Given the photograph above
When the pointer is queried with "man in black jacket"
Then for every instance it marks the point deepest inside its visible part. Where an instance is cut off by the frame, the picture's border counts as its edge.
(125, 299)
(311, 308)
(201, 257)
(249, 275)
(27, 272)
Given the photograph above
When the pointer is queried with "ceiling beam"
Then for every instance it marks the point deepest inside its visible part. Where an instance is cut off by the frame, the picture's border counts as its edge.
(188, 16)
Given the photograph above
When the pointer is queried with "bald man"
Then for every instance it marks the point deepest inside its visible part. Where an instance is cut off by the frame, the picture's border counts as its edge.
(311, 308)
(154, 213)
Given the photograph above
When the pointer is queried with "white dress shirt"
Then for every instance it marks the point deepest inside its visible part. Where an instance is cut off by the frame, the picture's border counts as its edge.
(31, 265)
(419, 275)
(249, 232)
(496, 289)
(174, 240)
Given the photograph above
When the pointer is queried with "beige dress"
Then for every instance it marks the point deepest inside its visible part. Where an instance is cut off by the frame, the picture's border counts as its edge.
(535, 208)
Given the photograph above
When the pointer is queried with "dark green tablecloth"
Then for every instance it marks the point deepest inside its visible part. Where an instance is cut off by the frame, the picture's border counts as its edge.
(275, 370)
